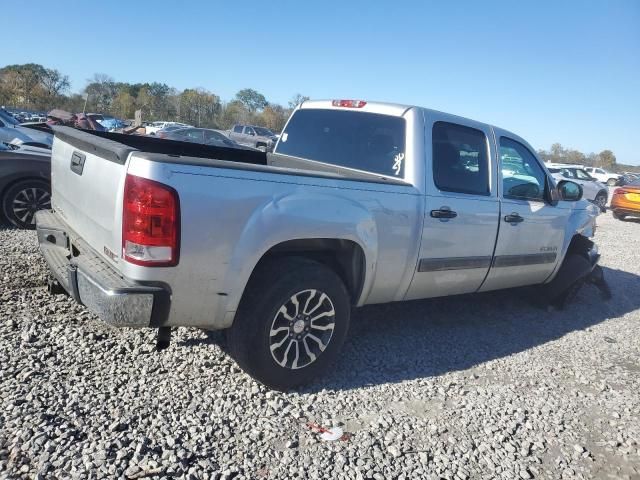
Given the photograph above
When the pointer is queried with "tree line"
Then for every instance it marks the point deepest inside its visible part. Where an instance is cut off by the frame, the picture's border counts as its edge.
(605, 159)
(35, 87)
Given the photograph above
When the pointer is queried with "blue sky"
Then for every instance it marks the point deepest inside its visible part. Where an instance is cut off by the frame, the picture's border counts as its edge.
(551, 71)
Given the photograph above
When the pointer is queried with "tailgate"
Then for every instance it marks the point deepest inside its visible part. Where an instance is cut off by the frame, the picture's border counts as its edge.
(87, 176)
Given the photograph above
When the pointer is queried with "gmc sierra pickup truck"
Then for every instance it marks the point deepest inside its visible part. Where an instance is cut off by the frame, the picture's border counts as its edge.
(360, 203)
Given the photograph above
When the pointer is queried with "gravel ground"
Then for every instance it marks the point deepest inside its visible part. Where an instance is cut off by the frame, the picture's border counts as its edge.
(482, 386)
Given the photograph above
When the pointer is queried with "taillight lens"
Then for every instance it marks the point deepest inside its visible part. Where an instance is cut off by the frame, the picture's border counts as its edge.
(349, 103)
(150, 223)
(620, 191)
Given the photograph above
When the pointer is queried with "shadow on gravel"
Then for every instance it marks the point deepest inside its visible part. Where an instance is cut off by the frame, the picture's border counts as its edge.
(405, 341)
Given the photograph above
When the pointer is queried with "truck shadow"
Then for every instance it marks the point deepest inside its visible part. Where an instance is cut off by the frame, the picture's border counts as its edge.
(406, 341)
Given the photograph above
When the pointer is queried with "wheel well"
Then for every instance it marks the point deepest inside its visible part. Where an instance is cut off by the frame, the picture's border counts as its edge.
(344, 257)
(6, 187)
(580, 245)
(605, 192)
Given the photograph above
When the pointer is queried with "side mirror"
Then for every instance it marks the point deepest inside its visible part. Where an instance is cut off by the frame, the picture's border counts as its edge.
(569, 191)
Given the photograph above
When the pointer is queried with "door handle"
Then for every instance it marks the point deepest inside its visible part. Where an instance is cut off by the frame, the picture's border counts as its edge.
(513, 218)
(443, 213)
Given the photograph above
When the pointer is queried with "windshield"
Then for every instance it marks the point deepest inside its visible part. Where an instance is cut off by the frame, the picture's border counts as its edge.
(263, 132)
(365, 141)
(6, 117)
(582, 175)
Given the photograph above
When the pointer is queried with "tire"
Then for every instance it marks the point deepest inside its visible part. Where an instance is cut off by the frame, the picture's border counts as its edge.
(278, 348)
(618, 216)
(262, 148)
(601, 201)
(23, 199)
(570, 277)
(612, 182)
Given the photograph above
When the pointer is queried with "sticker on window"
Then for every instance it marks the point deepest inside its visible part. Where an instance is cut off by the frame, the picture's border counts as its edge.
(397, 163)
(284, 137)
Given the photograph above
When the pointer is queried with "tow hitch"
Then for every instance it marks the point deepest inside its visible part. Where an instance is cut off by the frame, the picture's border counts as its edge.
(54, 287)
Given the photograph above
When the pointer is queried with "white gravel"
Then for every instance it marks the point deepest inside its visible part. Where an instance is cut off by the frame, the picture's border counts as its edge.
(483, 386)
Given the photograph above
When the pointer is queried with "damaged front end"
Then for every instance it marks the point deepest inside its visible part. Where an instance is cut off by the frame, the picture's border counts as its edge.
(580, 264)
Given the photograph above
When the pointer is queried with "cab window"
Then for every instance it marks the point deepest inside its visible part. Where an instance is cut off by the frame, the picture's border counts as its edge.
(522, 176)
(460, 159)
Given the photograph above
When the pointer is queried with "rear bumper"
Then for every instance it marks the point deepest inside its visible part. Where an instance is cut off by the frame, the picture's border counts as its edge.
(94, 283)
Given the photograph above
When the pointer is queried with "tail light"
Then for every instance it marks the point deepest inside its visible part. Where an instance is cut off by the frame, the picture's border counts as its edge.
(150, 223)
(620, 191)
(349, 103)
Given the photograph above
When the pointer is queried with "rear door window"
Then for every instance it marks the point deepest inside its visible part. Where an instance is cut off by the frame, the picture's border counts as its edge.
(360, 140)
(460, 159)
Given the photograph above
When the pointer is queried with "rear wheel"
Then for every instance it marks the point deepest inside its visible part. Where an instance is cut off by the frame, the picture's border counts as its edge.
(618, 216)
(291, 323)
(23, 199)
(612, 182)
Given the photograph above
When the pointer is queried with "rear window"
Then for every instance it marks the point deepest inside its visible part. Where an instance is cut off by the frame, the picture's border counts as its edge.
(364, 141)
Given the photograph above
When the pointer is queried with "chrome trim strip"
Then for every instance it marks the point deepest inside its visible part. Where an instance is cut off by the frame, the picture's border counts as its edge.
(523, 260)
(454, 263)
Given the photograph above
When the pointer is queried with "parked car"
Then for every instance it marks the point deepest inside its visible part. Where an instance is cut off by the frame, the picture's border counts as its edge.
(592, 189)
(24, 182)
(153, 127)
(162, 133)
(625, 201)
(360, 203)
(603, 176)
(252, 136)
(627, 178)
(205, 136)
(13, 132)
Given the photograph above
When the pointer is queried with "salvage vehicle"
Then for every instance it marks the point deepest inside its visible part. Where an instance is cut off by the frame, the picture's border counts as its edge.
(361, 203)
(625, 201)
(253, 136)
(24, 182)
(592, 189)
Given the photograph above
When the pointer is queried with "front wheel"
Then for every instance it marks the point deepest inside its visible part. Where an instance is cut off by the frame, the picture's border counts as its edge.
(23, 199)
(601, 201)
(291, 323)
(618, 216)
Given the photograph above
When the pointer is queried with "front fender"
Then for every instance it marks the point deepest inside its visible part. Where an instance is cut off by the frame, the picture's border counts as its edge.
(296, 217)
(581, 221)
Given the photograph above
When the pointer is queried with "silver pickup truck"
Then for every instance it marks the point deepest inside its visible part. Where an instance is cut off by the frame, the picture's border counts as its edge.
(360, 203)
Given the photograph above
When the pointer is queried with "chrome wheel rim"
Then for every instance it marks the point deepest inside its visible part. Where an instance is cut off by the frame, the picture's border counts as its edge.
(302, 329)
(28, 201)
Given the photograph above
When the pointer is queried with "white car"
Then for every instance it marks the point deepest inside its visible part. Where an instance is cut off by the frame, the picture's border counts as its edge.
(592, 189)
(603, 176)
(153, 127)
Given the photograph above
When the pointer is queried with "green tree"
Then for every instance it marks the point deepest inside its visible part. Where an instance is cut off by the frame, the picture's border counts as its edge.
(296, 100)
(607, 159)
(251, 99)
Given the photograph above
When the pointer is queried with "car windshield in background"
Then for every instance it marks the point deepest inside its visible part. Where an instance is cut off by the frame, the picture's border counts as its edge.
(7, 118)
(263, 132)
(365, 141)
(582, 175)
